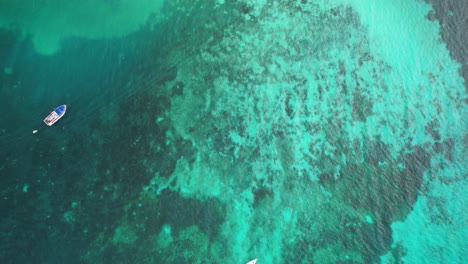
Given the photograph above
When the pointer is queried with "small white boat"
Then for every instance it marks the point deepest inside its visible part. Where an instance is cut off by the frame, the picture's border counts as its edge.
(252, 261)
(55, 115)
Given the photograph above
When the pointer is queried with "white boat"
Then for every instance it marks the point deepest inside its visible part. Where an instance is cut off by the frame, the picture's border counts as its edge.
(252, 261)
(55, 115)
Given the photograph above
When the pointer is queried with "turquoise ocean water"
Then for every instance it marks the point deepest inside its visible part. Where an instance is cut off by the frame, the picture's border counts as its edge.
(217, 131)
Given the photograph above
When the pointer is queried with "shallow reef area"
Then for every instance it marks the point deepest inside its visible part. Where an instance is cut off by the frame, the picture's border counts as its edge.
(286, 131)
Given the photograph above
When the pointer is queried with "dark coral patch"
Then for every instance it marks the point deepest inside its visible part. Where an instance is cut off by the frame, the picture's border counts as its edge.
(178, 89)
(181, 212)
(262, 195)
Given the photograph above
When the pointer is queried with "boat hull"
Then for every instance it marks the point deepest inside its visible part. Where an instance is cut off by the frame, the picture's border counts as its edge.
(55, 115)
